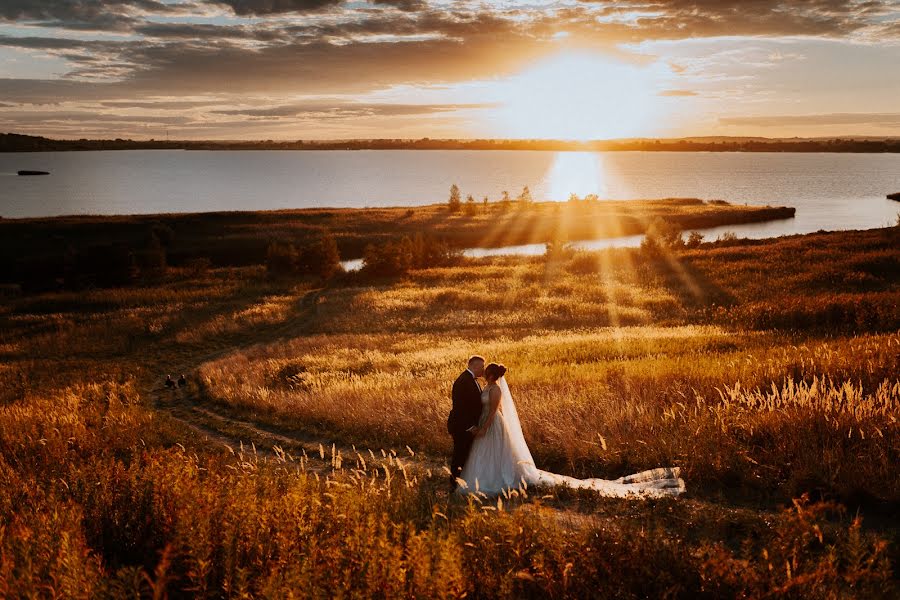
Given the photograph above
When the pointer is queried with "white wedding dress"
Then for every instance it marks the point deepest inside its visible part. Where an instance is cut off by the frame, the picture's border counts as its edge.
(500, 460)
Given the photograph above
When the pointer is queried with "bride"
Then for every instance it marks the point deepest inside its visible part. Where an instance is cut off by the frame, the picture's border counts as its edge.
(500, 458)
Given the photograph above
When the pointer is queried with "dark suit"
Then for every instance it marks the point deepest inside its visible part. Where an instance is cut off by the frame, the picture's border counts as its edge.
(465, 413)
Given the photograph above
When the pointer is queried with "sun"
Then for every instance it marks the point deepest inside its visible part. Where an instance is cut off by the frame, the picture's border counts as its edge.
(579, 96)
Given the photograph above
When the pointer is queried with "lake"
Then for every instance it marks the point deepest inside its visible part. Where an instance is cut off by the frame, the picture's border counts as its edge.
(829, 191)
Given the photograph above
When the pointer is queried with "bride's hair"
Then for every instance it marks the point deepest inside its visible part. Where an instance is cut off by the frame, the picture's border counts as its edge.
(494, 371)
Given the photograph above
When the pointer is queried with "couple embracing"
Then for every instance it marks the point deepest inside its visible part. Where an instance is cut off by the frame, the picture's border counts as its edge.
(490, 454)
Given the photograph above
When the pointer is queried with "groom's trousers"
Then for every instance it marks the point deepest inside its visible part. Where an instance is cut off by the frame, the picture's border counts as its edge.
(462, 445)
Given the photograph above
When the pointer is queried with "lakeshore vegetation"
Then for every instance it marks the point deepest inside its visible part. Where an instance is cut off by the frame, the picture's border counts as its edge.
(767, 370)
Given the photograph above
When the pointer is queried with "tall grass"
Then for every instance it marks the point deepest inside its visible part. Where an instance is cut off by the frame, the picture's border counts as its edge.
(740, 362)
(739, 412)
(99, 502)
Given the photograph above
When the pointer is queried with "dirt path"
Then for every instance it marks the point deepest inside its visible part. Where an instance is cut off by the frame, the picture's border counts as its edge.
(217, 426)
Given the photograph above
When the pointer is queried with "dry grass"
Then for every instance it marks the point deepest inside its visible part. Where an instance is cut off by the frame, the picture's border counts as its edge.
(764, 375)
(98, 503)
(722, 405)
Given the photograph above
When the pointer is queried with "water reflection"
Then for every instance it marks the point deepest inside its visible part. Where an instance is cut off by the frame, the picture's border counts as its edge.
(579, 173)
(750, 230)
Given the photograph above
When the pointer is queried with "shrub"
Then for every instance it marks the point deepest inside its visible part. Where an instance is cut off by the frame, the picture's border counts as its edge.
(198, 266)
(398, 257)
(471, 207)
(319, 256)
(104, 265)
(583, 263)
(694, 240)
(558, 249)
(281, 258)
(388, 259)
(525, 196)
(661, 235)
(728, 236)
(152, 258)
(454, 203)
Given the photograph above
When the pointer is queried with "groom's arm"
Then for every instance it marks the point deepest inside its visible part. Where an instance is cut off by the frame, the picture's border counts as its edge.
(474, 406)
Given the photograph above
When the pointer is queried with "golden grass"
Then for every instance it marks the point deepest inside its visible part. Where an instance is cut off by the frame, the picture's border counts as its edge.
(700, 397)
(99, 503)
(617, 364)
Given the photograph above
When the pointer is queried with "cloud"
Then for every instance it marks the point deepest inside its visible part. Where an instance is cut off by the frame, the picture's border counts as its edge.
(342, 109)
(404, 5)
(274, 7)
(105, 15)
(881, 119)
(271, 53)
(678, 93)
(280, 7)
(679, 19)
(209, 31)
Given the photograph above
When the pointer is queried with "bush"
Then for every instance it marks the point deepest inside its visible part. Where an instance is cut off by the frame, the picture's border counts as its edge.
(104, 265)
(198, 266)
(390, 258)
(471, 207)
(694, 239)
(281, 258)
(728, 236)
(661, 235)
(454, 203)
(525, 196)
(152, 258)
(558, 249)
(398, 257)
(316, 256)
(319, 257)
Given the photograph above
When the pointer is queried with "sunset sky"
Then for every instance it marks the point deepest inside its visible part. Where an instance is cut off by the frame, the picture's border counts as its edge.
(313, 69)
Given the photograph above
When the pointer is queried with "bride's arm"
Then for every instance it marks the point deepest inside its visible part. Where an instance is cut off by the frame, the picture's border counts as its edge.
(494, 400)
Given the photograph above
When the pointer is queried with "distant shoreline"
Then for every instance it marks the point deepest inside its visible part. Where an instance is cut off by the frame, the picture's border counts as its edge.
(24, 143)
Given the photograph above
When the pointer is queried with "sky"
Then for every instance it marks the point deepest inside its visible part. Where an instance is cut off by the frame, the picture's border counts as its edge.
(335, 69)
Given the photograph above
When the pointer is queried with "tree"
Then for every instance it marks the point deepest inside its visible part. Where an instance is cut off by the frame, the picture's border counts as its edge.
(454, 202)
(319, 256)
(525, 196)
(471, 207)
(281, 258)
(388, 259)
(397, 257)
(316, 255)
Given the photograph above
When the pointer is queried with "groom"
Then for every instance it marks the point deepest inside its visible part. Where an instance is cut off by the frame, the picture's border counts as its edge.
(462, 424)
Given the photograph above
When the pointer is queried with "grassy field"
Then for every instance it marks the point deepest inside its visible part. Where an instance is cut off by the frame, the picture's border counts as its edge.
(767, 370)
